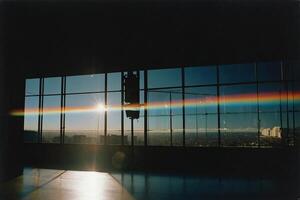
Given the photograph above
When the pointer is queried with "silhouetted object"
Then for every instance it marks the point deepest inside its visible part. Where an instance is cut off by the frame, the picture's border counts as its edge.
(132, 95)
(134, 114)
(132, 88)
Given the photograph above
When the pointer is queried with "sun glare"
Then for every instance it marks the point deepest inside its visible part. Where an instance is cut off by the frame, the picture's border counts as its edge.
(100, 107)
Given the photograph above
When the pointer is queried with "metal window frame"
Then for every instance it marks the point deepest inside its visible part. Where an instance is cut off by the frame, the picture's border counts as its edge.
(284, 80)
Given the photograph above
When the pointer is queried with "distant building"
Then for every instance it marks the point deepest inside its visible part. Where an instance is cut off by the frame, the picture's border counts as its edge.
(276, 131)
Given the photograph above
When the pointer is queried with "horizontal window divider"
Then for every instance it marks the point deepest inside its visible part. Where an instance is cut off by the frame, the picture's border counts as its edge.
(201, 114)
(51, 95)
(164, 115)
(163, 88)
(79, 93)
(114, 91)
(32, 95)
(261, 112)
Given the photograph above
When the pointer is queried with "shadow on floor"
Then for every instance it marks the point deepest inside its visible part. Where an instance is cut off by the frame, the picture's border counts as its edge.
(177, 186)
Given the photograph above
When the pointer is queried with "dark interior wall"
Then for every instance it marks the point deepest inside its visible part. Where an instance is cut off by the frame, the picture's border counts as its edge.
(11, 97)
(1, 98)
(11, 128)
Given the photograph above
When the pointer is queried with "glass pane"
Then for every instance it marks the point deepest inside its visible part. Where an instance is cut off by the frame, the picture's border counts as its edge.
(114, 118)
(165, 116)
(159, 131)
(296, 97)
(296, 71)
(269, 71)
(288, 97)
(239, 120)
(239, 129)
(201, 100)
(200, 75)
(51, 119)
(200, 116)
(141, 79)
(32, 86)
(31, 118)
(114, 81)
(84, 122)
(164, 78)
(201, 129)
(238, 98)
(177, 133)
(271, 97)
(297, 127)
(52, 85)
(287, 130)
(288, 71)
(236, 73)
(160, 100)
(292, 70)
(85, 83)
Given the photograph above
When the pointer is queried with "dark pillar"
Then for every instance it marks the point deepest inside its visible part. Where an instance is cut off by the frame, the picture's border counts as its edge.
(11, 97)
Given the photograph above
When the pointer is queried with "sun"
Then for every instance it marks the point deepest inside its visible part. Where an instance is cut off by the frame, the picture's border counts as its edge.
(100, 107)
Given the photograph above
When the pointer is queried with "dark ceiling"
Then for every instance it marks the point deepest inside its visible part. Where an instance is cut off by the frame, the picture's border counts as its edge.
(68, 37)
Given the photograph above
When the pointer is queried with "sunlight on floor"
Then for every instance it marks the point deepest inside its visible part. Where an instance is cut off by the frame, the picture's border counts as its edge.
(49, 184)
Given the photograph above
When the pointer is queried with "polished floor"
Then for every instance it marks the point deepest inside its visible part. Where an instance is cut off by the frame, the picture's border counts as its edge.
(179, 187)
(48, 184)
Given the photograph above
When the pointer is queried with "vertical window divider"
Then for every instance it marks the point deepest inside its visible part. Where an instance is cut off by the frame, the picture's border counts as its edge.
(64, 108)
(105, 112)
(257, 105)
(39, 112)
(294, 120)
(145, 107)
(280, 99)
(61, 109)
(183, 105)
(41, 108)
(39, 115)
(122, 108)
(287, 102)
(218, 107)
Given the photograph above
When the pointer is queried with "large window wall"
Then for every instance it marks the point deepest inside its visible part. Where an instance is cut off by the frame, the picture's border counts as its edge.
(232, 105)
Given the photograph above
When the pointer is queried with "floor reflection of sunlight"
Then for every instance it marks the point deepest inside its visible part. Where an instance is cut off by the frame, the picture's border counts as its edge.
(92, 184)
(64, 185)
